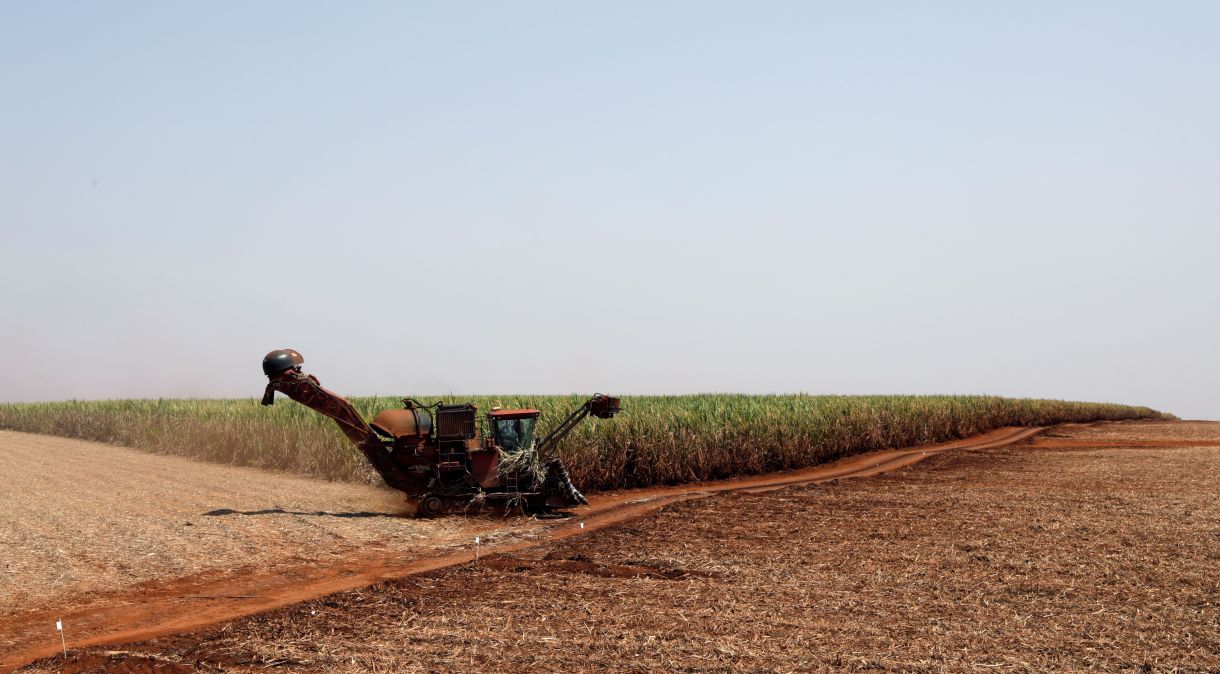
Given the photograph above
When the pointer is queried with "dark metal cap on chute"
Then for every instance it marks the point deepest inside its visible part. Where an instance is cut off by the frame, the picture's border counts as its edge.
(281, 360)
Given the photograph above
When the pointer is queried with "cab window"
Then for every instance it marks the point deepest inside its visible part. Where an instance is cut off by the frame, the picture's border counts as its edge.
(514, 434)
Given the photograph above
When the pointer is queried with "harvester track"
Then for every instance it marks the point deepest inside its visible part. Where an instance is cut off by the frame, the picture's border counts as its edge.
(191, 604)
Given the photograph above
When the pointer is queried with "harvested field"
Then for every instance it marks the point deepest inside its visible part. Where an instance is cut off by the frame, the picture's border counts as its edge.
(1044, 556)
(81, 518)
(289, 573)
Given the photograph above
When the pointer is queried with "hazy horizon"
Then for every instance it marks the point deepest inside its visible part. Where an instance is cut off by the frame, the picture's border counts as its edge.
(1013, 200)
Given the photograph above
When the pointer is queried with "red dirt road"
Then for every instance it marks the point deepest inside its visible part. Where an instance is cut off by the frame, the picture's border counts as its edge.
(194, 602)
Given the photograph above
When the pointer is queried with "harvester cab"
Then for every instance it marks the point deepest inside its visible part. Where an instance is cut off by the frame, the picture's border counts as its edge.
(435, 453)
(513, 430)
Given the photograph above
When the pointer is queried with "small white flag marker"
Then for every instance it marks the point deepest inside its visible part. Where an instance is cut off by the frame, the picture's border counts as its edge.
(59, 625)
(582, 525)
(477, 544)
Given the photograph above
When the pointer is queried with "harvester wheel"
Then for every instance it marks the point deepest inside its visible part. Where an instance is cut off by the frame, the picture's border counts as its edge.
(431, 506)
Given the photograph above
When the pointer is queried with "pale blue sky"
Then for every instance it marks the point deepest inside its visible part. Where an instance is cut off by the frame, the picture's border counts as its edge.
(1012, 198)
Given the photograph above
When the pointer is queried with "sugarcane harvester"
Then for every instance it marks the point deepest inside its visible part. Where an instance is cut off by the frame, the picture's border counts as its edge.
(436, 455)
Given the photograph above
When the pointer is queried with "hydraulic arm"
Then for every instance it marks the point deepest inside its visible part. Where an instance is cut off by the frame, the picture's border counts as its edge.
(600, 406)
(307, 390)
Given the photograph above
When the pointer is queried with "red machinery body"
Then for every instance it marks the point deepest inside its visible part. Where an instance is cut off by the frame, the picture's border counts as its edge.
(437, 455)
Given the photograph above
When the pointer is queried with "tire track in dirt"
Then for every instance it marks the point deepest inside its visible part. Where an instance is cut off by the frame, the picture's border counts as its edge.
(205, 600)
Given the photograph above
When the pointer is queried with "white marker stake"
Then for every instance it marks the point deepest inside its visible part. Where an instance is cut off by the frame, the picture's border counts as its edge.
(582, 525)
(59, 625)
(477, 543)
